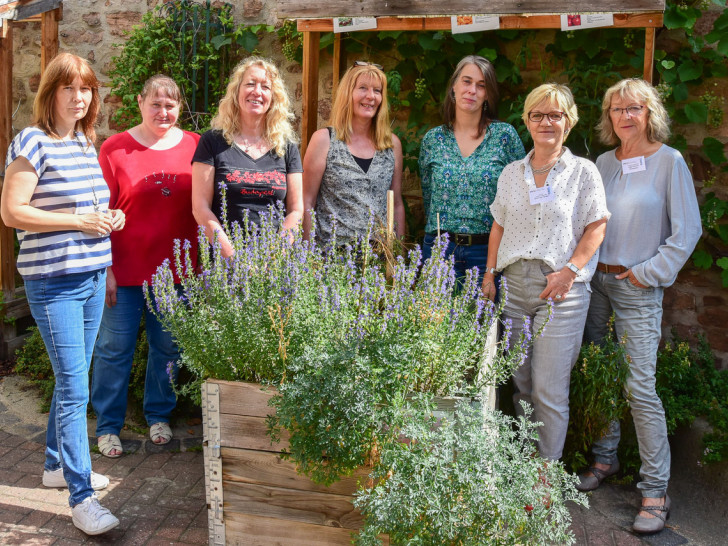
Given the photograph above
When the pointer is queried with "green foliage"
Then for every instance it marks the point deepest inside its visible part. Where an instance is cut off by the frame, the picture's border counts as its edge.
(467, 479)
(33, 363)
(195, 46)
(714, 215)
(596, 396)
(689, 386)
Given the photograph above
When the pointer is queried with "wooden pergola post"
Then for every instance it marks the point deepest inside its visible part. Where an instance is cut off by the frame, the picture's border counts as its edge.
(309, 116)
(49, 37)
(7, 236)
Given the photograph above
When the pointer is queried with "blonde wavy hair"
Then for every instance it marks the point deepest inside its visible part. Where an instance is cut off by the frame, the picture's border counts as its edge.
(556, 93)
(342, 111)
(278, 120)
(658, 122)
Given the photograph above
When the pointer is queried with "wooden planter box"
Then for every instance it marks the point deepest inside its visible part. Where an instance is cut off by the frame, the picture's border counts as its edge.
(253, 496)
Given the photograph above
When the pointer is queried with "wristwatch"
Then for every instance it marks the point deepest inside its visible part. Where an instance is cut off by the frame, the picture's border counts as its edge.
(573, 268)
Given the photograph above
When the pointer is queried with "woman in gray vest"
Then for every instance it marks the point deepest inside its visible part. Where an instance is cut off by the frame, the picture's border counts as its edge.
(350, 165)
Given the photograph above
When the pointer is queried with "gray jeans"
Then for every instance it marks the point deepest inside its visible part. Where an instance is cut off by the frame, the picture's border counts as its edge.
(638, 312)
(543, 378)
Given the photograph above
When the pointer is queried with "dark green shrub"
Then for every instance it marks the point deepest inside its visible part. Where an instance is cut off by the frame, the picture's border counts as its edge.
(33, 363)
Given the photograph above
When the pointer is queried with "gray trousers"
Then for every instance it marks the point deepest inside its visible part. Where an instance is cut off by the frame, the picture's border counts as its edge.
(638, 312)
(543, 378)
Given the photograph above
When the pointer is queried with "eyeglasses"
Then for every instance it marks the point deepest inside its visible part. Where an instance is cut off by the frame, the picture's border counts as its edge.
(633, 111)
(367, 63)
(537, 117)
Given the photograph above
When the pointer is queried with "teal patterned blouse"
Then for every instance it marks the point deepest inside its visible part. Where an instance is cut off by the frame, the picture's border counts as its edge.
(462, 189)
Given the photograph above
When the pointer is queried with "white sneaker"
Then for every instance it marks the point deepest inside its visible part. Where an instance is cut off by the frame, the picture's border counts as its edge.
(54, 478)
(92, 518)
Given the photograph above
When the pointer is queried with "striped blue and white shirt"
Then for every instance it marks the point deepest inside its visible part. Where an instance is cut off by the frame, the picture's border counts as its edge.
(67, 171)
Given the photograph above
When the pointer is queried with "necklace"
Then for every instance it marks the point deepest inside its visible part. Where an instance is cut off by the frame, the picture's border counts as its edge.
(248, 145)
(88, 168)
(546, 168)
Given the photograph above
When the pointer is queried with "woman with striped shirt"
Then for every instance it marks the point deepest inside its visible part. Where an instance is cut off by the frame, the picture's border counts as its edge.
(56, 197)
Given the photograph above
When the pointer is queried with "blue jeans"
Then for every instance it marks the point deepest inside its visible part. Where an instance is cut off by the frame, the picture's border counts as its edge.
(68, 310)
(113, 361)
(544, 377)
(638, 312)
(466, 257)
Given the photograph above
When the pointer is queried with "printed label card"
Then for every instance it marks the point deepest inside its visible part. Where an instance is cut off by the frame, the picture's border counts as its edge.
(462, 24)
(350, 24)
(576, 21)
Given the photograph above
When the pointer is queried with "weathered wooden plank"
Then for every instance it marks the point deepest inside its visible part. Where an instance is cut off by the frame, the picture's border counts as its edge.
(373, 8)
(49, 37)
(621, 20)
(266, 468)
(7, 235)
(649, 61)
(23, 9)
(246, 530)
(325, 509)
(309, 114)
(241, 398)
(248, 433)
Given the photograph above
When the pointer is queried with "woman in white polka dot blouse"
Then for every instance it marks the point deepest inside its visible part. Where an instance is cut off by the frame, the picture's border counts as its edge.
(550, 216)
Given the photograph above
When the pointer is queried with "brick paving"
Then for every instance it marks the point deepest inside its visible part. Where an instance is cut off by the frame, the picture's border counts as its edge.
(158, 497)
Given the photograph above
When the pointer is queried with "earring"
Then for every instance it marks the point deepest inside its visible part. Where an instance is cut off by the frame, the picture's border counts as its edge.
(485, 105)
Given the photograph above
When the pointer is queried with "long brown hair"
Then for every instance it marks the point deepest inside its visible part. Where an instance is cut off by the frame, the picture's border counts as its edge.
(62, 70)
(490, 110)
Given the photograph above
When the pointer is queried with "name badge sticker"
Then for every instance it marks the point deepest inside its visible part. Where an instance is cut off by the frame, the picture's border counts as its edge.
(633, 165)
(541, 195)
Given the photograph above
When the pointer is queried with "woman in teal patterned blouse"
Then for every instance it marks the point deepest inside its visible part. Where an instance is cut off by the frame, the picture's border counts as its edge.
(460, 162)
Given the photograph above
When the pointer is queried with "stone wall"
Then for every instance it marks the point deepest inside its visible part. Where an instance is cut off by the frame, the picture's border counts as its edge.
(695, 304)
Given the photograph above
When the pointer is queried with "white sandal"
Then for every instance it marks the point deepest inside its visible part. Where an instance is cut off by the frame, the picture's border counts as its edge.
(108, 443)
(160, 433)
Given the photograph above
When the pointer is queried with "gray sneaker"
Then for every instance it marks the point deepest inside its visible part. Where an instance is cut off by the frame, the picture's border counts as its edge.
(92, 518)
(54, 478)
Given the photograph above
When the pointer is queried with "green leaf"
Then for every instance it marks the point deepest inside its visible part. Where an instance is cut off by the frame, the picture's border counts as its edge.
(248, 41)
(690, 70)
(696, 112)
(463, 38)
(428, 43)
(722, 47)
(389, 34)
(669, 65)
(724, 278)
(488, 53)
(702, 259)
(326, 40)
(680, 92)
(715, 150)
(674, 18)
(722, 262)
(221, 40)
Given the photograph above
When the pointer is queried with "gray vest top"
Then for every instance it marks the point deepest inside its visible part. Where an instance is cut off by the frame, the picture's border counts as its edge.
(351, 195)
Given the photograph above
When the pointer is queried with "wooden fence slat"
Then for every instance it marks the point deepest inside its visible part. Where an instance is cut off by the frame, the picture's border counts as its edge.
(244, 399)
(323, 509)
(49, 37)
(309, 115)
(372, 8)
(267, 468)
(649, 62)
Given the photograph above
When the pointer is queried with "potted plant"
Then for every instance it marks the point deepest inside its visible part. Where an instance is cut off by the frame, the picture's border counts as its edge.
(355, 347)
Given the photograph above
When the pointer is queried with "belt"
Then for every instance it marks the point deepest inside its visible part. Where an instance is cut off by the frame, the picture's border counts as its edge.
(604, 268)
(468, 239)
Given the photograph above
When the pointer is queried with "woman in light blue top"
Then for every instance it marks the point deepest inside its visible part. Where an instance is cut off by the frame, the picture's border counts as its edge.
(55, 195)
(460, 163)
(654, 227)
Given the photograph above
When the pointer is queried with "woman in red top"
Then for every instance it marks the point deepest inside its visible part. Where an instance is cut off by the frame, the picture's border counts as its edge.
(148, 171)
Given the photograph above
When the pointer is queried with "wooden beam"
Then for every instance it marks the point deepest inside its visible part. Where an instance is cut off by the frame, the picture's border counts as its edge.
(49, 37)
(25, 9)
(649, 54)
(621, 20)
(309, 116)
(7, 236)
(293, 9)
(336, 64)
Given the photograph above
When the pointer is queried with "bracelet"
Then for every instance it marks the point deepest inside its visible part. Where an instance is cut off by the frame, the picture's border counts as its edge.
(491, 270)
